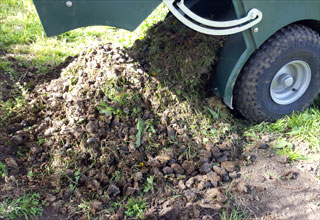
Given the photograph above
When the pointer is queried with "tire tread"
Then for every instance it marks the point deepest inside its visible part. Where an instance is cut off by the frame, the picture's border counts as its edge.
(245, 92)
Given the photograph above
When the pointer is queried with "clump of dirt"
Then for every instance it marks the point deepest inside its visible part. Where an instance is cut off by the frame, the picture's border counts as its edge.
(117, 125)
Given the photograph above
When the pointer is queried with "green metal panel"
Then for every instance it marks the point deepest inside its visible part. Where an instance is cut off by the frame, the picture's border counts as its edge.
(280, 13)
(237, 50)
(57, 18)
(276, 15)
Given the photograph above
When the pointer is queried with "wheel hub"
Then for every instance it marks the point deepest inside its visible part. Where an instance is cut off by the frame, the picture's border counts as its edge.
(287, 80)
(290, 82)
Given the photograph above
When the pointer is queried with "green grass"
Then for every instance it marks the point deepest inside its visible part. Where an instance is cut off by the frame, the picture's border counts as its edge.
(235, 214)
(285, 148)
(85, 208)
(291, 134)
(149, 186)
(22, 35)
(135, 208)
(28, 206)
(11, 108)
(3, 170)
(301, 127)
(304, 127)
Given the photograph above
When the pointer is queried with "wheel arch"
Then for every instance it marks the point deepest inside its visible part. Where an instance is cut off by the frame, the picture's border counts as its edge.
(226, 77)
(313, 24)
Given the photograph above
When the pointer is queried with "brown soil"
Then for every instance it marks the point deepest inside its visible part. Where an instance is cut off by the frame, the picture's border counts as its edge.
(274, 189)
(5, 87)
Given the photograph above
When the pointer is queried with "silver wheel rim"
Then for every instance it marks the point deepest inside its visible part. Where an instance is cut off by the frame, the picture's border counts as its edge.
(290, 82)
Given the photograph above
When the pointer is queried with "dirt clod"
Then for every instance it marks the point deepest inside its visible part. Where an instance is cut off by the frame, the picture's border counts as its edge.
(228, 165)
(11, 162)
(190, 195)
(188, 166)
(96, 205)
(242, 188)
(177, 168)
(167, 170)
(205, 168)
(113, 190)
(264, 146)
(219, 170)
(282, 159)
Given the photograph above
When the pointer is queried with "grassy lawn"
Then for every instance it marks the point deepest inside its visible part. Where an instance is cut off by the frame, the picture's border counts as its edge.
(27, 47)
(27, 206)
(295, 136)
(22, 35)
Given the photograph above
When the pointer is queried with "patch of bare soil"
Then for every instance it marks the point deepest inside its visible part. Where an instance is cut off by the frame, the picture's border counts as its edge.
(271, 188)
(49, 213)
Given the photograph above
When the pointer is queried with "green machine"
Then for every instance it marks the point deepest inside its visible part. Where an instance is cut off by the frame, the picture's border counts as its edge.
(269, 66)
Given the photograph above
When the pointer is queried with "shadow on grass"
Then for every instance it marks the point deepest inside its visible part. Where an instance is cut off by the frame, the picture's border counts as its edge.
(18, 72)
(178, 57)
(181, 61)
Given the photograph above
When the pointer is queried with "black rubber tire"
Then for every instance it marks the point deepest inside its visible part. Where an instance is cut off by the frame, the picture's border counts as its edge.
(252, 96)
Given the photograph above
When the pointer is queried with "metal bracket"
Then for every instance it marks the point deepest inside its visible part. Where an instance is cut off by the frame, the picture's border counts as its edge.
(206, 26)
